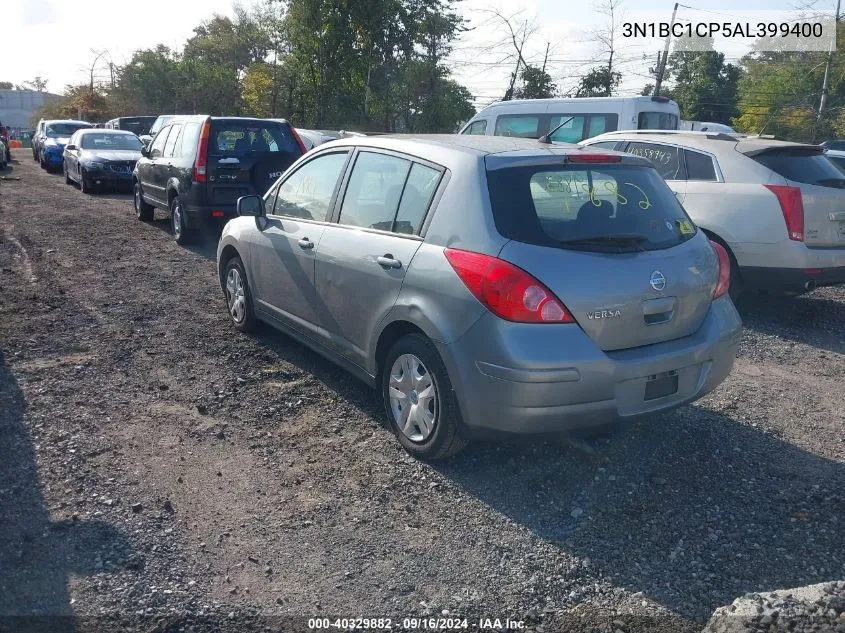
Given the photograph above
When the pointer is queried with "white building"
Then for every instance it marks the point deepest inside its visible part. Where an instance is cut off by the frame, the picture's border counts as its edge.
(18, 107)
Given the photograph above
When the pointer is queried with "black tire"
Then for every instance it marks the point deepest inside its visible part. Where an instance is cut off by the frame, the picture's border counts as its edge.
(68, 180)
(181, 234)
(42, 161)
(444, 440)
(34, 155)
(244, 319)
(143, 210)
(85, 185)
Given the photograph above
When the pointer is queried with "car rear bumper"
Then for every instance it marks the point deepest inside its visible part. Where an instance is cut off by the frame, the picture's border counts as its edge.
(568, 383)
(198, 217)
(789, 266)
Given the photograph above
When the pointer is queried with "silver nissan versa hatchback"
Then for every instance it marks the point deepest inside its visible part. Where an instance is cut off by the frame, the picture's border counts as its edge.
(487, 285)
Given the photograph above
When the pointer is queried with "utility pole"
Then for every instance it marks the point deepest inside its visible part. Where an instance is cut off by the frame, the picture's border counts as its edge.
(823, 101)
(662, 66)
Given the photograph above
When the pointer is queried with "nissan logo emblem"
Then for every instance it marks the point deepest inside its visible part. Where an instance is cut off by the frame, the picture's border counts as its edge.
(657, 281)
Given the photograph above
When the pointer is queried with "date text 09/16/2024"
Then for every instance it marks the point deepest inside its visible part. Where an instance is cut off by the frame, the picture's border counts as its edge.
(414, 623)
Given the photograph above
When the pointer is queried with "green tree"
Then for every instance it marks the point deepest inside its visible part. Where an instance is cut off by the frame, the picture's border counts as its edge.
(598, 82)
(536, 84)
(6, 85)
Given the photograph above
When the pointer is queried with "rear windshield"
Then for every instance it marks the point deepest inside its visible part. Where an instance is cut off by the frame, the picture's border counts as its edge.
(798, 165)
(64, 129)
(110, 141)
(138, 125)
(839, 161)
(592, 207)
(657, 121)
(242, 138)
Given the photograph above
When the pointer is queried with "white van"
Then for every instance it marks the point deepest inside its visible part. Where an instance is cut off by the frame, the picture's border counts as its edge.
(532, 118)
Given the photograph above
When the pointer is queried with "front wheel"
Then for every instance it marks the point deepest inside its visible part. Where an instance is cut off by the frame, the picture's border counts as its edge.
(68, 180)
(181, 233)
(85, 185)
(419, 399)
(143, 210)
(238, 296)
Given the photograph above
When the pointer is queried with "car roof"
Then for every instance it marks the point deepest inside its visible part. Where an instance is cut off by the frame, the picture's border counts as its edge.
(74, 121)
(744, 143)
(102, 130)
(468, 144)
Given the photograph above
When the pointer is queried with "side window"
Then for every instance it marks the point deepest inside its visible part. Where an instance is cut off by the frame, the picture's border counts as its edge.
(605, 144)
(526, 126)
(307, 192)
(699, 166)
(158, 144)
(375, 187)
(190, 136)
(667, 159)
(270, 198)
(416, 198)
(572, 131)
(171, 140)
(477, 128)
(601, 123)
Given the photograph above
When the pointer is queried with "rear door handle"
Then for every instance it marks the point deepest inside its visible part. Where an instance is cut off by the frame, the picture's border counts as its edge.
(387, 261)
(305, 243)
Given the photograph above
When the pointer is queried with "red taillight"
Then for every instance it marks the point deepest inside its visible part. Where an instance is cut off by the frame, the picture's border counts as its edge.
(507, 291)
(298, 140)
(593, 158)
(723, 285)
(793, 209)
(201, 163)
(217, 214)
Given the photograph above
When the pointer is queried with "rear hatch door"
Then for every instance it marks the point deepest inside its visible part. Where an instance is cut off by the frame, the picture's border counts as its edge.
(246, 156)
(612, 242)
(822, 187)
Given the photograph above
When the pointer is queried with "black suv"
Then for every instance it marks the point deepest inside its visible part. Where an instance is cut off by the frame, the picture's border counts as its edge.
(196, 167)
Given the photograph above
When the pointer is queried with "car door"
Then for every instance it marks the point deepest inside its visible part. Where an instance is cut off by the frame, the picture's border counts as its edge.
(282, 253)
(149, 171)
(71, 156)
(669, 162)
(363, 256)
(165, 165)
(704, 186)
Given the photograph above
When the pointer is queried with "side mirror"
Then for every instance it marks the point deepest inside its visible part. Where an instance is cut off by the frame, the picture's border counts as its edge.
(252, 206)
(145, 151)
(70, 147)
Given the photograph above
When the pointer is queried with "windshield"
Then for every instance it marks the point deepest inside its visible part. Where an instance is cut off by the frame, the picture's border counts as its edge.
(804, 166)
(111, 142)
(242, 138)
(657, 121)
(64, 129)
(595, 207)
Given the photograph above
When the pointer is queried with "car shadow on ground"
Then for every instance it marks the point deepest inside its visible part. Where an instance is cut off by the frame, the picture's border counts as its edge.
(690, 508)
(811, 319)
(203, 243)
(36, 553)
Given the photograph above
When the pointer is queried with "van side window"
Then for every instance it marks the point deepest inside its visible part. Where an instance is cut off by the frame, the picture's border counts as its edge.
(601, 123)
(667, 160)
(572, 131)
(476, 128)
(699, 166)
(525, 126)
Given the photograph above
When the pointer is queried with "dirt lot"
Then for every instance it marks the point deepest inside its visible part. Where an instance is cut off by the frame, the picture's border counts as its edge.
(160, 471)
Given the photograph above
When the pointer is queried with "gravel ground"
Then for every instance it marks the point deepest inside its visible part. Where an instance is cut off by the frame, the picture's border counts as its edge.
(159, 471)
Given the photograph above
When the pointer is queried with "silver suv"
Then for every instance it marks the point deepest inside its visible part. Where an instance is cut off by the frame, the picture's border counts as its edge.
(777, 207)
(486, 285)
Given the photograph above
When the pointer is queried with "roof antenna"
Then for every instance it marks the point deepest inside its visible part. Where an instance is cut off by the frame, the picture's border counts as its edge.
(547, 137)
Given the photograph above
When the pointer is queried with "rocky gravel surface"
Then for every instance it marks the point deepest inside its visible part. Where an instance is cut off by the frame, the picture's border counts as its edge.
(160, 472)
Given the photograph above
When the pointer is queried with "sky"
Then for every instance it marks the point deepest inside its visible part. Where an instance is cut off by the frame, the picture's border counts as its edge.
(58, 40)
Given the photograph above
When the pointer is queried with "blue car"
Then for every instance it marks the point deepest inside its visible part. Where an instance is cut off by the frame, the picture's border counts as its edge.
(51, 145)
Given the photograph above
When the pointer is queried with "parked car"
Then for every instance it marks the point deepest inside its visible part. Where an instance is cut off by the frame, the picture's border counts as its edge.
(6, 154)
(837, 157)
(159, 123)
(36, 139)
(486, 286)
(138, 125)
(777, 207)
(98, 158)
(53, 139)
(198, 166)
(3, 162)
(705, 126)
(311, 138)
(575, 118)
(835, 144)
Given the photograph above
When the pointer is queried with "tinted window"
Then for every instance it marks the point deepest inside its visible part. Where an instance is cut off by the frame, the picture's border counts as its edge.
(307, 193)
(837, 145)
(572, 131)
(107, 141)
(551, 204)
(171, 140)
(518, 125)
(605, 144)
(657, 121)
(699, 166)
(190, 137)
(374, 189)
(416, 197)
(477, 128)
(158, 143)
(64, 129)
(839, 161)
(801, 165)
(601, 123)
(666, 159)
(242, 138)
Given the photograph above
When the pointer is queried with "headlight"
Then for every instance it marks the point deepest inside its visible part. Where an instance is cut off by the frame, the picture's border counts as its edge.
(95, 165)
